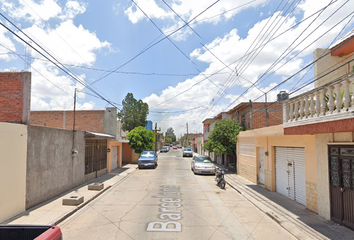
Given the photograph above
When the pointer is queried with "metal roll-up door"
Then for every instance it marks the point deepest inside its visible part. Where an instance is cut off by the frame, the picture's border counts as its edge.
(114, 157)
(300, 176)
(281, 174)
(290, 173)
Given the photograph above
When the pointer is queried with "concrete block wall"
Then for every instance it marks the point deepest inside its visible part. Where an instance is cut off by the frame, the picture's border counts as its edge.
(51, 168)
(15, 94)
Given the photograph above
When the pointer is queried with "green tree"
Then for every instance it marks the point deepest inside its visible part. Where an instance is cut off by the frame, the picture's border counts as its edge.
(168, 140)
(134, 113)
(223, 138)
(141, 139)
(170, 133)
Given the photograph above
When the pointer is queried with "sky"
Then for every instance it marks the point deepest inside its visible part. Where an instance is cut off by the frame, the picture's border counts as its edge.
(189, 60)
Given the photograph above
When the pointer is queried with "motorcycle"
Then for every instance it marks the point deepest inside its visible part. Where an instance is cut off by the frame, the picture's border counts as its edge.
(219, 177)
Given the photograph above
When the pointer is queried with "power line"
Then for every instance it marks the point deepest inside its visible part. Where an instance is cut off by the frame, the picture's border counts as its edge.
(285, 31)
(173, 43)
(37, 70)
(249, 53)
(295, 56)
(140, 53)
(57, 63)
(124, 72)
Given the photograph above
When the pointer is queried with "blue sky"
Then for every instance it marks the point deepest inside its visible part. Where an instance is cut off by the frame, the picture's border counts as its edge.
(202, 72)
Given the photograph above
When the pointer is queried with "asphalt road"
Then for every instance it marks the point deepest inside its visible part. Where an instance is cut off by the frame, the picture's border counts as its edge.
(170, 202)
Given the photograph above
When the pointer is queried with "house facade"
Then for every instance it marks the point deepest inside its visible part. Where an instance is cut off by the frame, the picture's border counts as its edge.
(310, 157)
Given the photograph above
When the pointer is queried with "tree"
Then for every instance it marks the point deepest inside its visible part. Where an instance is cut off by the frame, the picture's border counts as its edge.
(141, 139)
(170, 133)
(168, 140)
(133, 113)
(223, 138)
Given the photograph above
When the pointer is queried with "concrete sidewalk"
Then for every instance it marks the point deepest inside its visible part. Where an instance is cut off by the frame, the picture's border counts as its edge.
(292, 216)
(52, 212)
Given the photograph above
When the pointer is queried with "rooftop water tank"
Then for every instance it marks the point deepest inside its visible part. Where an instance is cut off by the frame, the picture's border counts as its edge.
(282, 96)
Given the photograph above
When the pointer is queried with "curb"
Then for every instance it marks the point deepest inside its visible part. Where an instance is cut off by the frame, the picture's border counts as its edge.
(67, 215)
(298, 229)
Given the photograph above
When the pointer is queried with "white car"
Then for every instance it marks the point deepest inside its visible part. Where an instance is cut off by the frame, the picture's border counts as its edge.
(203, 165)
(187, 152)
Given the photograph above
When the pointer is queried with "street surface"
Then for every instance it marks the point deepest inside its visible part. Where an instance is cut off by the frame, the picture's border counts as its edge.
(170, 202)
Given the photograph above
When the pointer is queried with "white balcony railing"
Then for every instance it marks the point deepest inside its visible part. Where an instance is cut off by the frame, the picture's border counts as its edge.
(333, 101)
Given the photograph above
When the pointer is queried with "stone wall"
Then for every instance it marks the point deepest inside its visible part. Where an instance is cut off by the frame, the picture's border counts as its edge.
(311, 196)
(247, 171)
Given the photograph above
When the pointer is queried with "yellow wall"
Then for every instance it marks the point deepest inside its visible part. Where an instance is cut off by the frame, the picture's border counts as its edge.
(109, 155)
(328, 63)
(13, 155)
(269, 138)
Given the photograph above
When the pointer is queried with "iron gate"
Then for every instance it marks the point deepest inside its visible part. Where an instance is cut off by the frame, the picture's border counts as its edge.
(95, 155)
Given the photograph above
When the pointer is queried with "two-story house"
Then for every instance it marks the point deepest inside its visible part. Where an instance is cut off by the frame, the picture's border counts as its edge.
(310, 157)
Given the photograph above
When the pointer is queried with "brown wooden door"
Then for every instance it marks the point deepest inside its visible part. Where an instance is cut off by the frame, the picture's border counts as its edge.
(341, 171)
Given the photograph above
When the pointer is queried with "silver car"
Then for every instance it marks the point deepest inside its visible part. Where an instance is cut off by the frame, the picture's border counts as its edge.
(187, 152)
(203, 165)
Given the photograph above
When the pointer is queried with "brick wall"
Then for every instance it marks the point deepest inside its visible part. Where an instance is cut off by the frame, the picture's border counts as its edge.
(15, 93)
(258, 115)
(346, 125)
(90, 120)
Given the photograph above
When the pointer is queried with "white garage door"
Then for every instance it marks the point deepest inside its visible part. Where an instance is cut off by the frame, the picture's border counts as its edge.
(290, 173)
(114, 157)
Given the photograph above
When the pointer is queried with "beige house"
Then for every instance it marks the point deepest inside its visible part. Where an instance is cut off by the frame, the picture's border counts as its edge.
(13, 149)
(310, 157)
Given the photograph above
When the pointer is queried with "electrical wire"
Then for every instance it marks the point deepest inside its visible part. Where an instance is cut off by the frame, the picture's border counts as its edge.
(57, 63)
(274, 38)
(287, 79)
(12, 52)
(140, 53)
(248, 54)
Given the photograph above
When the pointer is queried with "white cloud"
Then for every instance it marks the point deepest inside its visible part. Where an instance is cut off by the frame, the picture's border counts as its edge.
(6, 46)
(232, 47)
(32, 11)
(65, 42)
(73, 8)
(187, 10)
(51, 90)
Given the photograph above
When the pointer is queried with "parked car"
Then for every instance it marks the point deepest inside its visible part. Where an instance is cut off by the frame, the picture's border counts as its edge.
(179, 146)
(187, 152)
(147, 159)
(174, 147)
(30, 232)
(164, 149)
(203, 165)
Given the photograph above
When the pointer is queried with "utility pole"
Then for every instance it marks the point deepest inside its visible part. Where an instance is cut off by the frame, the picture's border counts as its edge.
(187, 143)
(266, 111)
(155, 137)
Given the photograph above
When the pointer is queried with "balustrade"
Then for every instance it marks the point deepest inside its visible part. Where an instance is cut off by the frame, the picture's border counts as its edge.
(333, 98)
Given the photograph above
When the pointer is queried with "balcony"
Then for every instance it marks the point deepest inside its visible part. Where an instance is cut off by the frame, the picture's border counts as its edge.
(330, 102)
